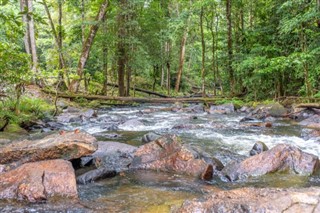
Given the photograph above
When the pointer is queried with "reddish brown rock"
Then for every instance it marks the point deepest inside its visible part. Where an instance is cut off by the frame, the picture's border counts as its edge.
(39, 181)
(281, 158)
(66, 146)
(170, 155)
(305, 200)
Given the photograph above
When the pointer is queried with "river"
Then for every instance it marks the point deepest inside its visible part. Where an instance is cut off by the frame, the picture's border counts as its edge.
(221, 135)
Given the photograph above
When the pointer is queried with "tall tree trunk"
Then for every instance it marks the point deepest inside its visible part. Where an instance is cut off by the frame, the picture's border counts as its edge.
(203, 45)
(168, 56)
(33, 47)
(83, 27)
(105, 59)
(181, 58)
(213, 50)
(24, 8)
(58, 41)
(230, 52)
(304, 43)
(216, 58)
(182, 51)
(121, 48)
(87, 45)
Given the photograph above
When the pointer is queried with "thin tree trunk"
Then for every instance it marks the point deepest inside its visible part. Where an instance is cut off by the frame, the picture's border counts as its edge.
(88, 44)
(33, 47)
(213, 49)
(230, 52)
(83, 27)
(168, 53)
(181, 58)
(121, 48)
(24, 8)
(105, 59)
(182, 52)
(217, 64)
(203, 45)
(58, 41)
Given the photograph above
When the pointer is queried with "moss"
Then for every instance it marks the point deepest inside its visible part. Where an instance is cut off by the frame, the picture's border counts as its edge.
(15, 128)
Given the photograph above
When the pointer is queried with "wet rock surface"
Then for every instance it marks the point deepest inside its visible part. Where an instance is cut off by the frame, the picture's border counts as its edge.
(312, 122)
(39, 181)
(110, 159)
(170, 155)
(66, 145)
(281, 158)
(243, 200)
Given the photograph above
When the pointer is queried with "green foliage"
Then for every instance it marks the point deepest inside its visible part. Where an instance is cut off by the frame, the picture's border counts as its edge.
(29, 109)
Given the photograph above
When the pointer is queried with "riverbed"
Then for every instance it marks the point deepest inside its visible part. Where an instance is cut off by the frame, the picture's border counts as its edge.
(221, 135)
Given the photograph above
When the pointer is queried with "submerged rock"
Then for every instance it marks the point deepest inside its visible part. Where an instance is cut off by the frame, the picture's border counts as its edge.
(39, 181)
(170, 155)
(281, 158)
(66, 145)
(131, 124)
(244, 200)
(258, 148)
(110, 159)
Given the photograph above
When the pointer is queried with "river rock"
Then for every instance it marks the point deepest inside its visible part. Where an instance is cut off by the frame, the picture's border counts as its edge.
(110, 159)
(15, 128)
(39, 181)
(311, 122)
(66, 145)
(243, 200)
(168, 154)
(281, 158)
(198, 108)
(258, 148)
(221, 109)
(270, 110)
(151, 136)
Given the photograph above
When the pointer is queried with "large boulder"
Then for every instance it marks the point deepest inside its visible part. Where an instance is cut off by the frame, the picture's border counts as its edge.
(110, 159)
(281, 158)
(264, 111)
(39, 181)
(168, 154)
(244, 200)
(63, 145)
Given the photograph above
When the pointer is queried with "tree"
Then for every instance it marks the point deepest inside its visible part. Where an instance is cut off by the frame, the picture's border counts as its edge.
(74, 86)
(230, 51)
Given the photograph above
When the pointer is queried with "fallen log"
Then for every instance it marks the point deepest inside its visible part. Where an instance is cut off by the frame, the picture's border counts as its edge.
(308, 105)
(142, 90)
(134, 99)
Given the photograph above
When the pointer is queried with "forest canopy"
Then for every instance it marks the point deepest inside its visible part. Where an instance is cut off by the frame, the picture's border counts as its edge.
(238, 48)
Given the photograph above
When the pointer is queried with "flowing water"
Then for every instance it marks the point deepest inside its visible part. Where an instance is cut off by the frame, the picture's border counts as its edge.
(223, 136)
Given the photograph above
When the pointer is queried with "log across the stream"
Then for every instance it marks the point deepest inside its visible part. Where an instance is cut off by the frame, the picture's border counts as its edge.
(142, 90)
(136, 99)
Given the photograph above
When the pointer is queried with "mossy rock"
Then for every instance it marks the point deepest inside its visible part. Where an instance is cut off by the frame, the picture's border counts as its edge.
(277, 110)
(15, 128)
